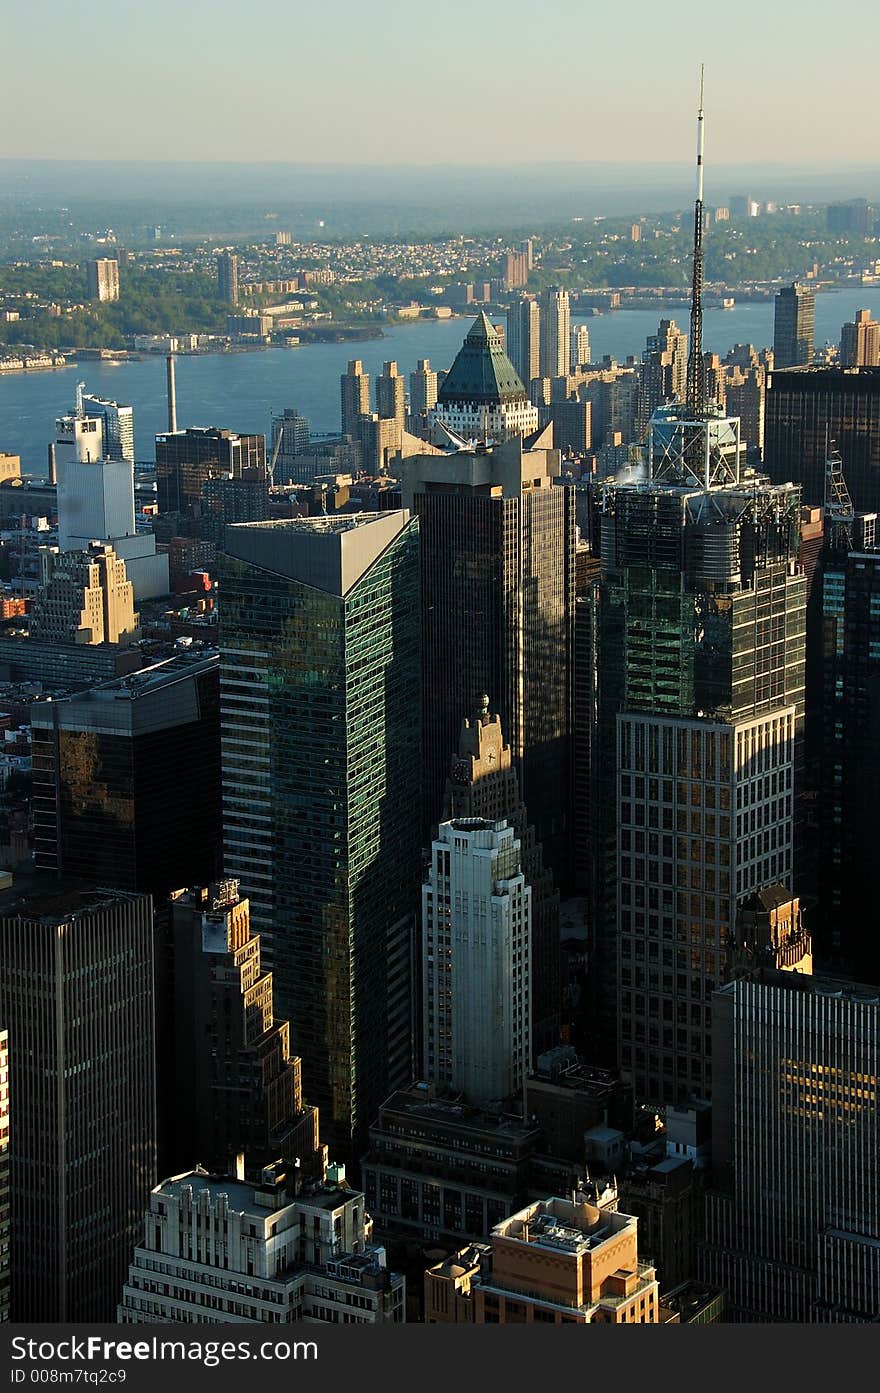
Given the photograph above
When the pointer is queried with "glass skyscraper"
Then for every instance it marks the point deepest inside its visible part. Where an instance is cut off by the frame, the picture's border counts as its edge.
(322, 784)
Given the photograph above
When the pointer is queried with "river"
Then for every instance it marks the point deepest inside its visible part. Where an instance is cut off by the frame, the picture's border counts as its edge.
(242, 390)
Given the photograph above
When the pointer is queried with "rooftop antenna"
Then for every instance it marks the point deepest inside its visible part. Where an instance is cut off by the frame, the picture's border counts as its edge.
(696, 390)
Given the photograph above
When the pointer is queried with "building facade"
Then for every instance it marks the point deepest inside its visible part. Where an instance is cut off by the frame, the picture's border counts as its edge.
(794, 333)
(118, 425)
(523, 342)
(554, 350)
(355, 396)
(102, 279)
(805, 408)
(83, 597)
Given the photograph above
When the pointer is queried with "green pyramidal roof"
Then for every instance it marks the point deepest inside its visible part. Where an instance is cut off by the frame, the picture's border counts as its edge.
(482, 372)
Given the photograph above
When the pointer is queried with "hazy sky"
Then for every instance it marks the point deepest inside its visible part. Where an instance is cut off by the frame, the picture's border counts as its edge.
(451, 81)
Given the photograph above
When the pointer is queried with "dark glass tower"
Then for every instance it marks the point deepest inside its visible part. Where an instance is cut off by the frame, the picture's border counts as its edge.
(497, 542)
(76, 988)
(794, 336)
(321, 767)
(187, 459)
(807, 407)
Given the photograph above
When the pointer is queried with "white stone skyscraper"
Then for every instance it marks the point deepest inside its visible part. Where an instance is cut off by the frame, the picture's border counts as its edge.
(555, 332)
(476, 969)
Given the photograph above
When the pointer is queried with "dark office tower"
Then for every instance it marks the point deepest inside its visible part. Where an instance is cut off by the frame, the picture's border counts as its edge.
(793, 1219)
(497, 546)
(483, 783)
(187, 459)
(849, 769)
(5, 1235)
(76, 988)
(227, 277)
(237, 1090)
(700, 625)
(524, 339)
(126, 778)
(663, 371)
(321, 767)
(355, 396)
(806, 407)
(794, 335)
(391, 398)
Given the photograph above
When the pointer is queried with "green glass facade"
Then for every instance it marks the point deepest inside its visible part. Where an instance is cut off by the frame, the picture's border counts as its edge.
(322, 787)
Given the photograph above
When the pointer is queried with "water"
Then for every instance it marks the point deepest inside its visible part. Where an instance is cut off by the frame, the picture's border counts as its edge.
(242, 390)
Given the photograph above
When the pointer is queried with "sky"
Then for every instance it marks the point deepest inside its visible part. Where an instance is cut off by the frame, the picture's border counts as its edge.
(451, 82)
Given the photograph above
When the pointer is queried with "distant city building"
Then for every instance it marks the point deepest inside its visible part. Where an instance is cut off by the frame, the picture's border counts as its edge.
(5, 1199)
(852, 219)
(391, 399)
(76, 982)
(860, 342)
(482, 397)
(580, 346)
(556, 1262)
(290, 439)
(524, 339)
(118, 425)
(663, 371)
(792, 1218)
(476, 962)
(794, 334)
(744, 392)
(127, 779)
(807, 407)
(555, 332)
(186, 459)
(516, 270)
(235, 1253)
(102, 279)
(355, 396)
(321, 767)
(83, 597)
(422, 389)
(227, 277)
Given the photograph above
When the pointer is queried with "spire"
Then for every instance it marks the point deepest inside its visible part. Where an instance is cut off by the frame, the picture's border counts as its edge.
(696, 394)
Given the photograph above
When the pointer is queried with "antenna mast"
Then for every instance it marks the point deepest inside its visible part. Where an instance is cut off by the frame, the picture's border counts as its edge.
(696, 393)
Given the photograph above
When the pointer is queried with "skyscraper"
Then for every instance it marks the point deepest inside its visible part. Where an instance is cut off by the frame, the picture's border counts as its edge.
(5, 1204)
(127, 779)
(186, 459)
(391, 396)
(237, 1090)
(227, 277)
(860, 342)
(481, 397)
(794, 335)
(663, 371)
(803, 409)
(794, 1213)
(83, 597)
(321, 766)
(483, 783)
(422, 388)
(290, 439)
(76, 983)
(555, 332)
(476, 962)
(580, 346)
(355, 396)
(102, 279)
(118, 425)
(496, 541)
(524, 338)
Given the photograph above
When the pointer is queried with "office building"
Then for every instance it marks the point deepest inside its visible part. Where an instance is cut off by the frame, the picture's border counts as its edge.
(555, 332)
(229, 499)
(227, 277)
(794, 334)
(482, 398)
(422, 389)
(117, 425)
(236, 1088)
(476, 962)
(391, 398)
(580, 347)
(496, 542)
(83, 597)
(291, 439)
(572, 425)
(186, 459)
(849, 758)
(663, 371)
(700, 615)
(5, 1197)
(76, 983)
(321, 767)
(793, 1218)
(524, 339)
(744, 392)
(379, 439)
(860, 342)
(102, 279)
(807, 407)
(483, 783)
(229, 1252)
(556, 1262)
(354, 395)
(126, 779)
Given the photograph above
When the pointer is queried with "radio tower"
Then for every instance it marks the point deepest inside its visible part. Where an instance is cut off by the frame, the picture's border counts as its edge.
(696, 391)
